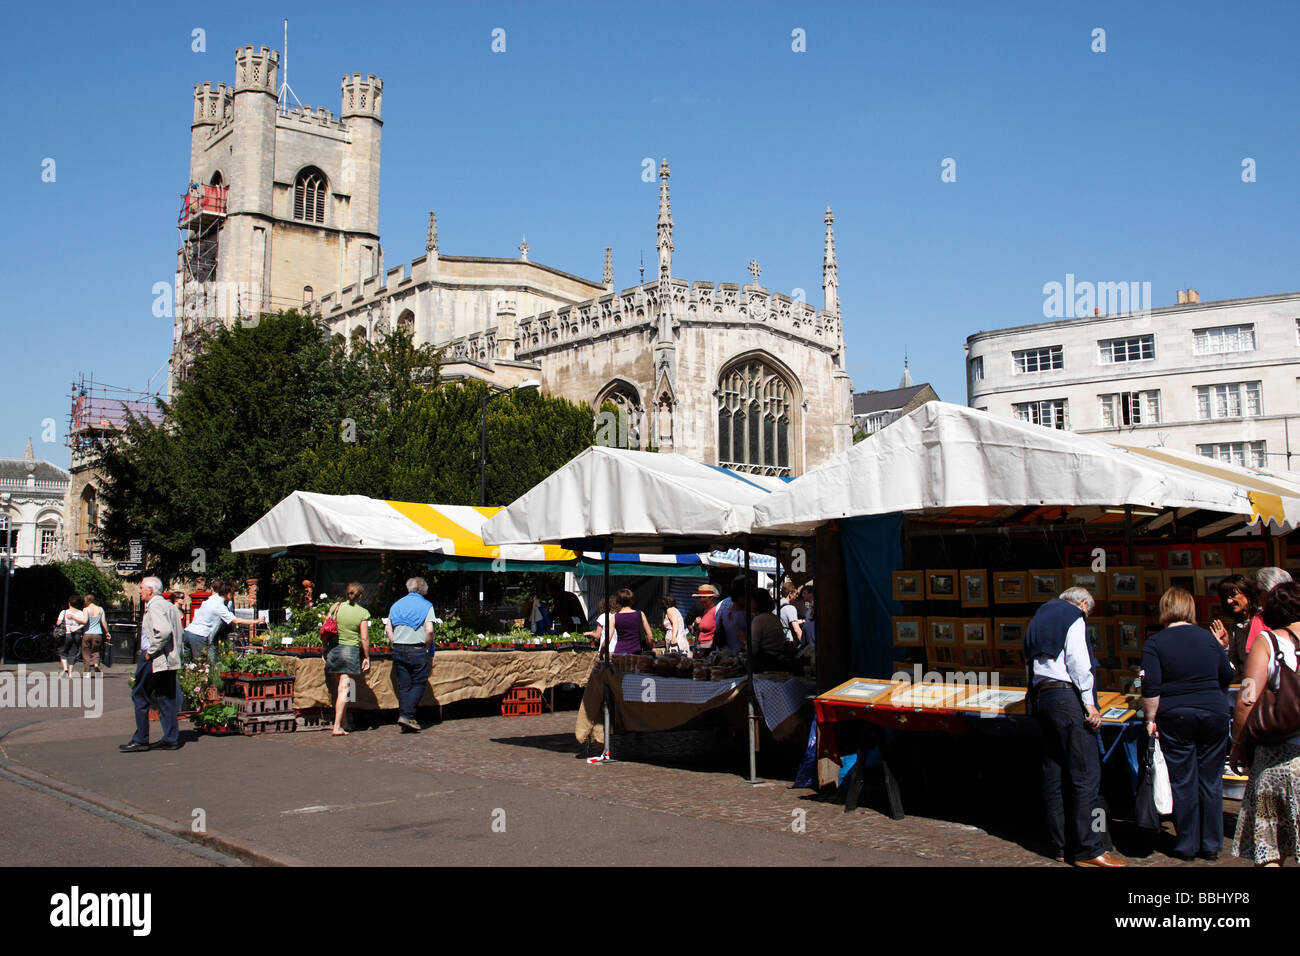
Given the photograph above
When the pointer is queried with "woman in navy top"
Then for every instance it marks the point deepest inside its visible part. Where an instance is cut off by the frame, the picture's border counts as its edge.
(1185, 673)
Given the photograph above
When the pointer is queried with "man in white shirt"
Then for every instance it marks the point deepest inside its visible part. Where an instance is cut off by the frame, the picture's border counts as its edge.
(1064, 700)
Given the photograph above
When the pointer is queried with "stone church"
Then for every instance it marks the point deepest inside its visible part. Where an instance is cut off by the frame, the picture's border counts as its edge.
(283, 211)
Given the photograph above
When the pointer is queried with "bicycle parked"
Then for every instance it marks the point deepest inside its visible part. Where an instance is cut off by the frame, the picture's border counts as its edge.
(29, 647)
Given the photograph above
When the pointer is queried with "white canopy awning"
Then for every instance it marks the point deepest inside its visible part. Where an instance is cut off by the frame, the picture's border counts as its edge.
(353, 522)
(633, 501)
(943, 456)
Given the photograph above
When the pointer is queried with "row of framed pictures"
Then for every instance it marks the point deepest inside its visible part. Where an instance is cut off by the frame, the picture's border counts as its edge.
(1182, 557)
(1119, 636)
(981, 588)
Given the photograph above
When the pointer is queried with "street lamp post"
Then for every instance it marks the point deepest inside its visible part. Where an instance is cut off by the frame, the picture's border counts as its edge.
(488, 395)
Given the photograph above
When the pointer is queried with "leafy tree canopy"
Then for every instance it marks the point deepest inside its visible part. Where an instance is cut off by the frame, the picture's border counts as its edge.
(277, 406)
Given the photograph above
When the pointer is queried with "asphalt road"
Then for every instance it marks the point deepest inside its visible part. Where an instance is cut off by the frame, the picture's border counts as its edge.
(40, 827)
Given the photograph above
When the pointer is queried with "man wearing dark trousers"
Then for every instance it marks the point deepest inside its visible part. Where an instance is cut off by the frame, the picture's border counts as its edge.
(410, 628)
(1063, 697)
(156, 670)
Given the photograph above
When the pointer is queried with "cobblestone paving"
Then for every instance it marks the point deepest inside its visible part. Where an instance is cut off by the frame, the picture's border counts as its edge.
(696, 773)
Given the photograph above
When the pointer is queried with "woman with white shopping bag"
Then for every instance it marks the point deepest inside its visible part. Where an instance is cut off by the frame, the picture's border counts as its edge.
(1185, 675)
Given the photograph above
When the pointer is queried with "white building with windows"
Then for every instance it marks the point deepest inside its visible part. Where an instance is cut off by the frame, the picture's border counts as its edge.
(1218, 379)
(32, 495)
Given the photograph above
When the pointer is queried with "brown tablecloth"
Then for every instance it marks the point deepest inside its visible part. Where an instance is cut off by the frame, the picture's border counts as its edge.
(455, 675)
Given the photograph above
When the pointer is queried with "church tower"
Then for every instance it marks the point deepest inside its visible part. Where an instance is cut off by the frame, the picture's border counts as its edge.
(282, 205)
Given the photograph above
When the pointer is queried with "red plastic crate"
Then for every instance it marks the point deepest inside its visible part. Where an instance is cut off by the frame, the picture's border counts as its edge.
(522, 702)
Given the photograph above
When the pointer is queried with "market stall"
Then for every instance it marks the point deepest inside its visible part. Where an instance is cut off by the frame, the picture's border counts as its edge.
(618, 500)
(947, 528)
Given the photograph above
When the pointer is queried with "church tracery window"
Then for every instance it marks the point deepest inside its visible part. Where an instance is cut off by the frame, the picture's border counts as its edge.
(309, 191)
(755, 412)
(627, 405)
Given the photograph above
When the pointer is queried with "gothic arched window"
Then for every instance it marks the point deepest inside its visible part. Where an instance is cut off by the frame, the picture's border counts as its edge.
(309, 195)
(755, 412)
(406, 321)
(625, 430)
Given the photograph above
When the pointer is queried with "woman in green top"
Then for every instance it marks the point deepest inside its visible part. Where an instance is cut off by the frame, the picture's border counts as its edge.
(350, 657)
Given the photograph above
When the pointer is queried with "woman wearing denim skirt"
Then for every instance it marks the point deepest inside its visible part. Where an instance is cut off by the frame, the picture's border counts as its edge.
(350, 657)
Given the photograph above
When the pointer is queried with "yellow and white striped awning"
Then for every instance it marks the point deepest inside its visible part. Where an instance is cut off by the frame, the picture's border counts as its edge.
(309, 520)
(1276, 499)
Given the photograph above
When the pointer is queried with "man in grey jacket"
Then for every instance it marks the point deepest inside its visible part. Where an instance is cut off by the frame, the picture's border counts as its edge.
(156, 669)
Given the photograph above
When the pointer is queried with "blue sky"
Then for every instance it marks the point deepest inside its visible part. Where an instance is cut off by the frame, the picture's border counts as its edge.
(1115, 166)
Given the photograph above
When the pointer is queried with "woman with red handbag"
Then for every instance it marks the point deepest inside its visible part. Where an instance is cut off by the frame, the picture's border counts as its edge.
(350, 656)
(1268, 825)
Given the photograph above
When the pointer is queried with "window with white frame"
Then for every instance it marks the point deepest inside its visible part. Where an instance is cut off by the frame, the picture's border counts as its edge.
(977, 369)
(1130, 408)
(1135, 349)
(1251, 454)
(8, 535)
(47, 539)
(1052, 413)
(1227, 338)
(1230, 400)
(1038, 360)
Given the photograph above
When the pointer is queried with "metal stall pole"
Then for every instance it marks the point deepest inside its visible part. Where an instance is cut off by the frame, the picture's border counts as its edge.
(752, 726)
(606, 628)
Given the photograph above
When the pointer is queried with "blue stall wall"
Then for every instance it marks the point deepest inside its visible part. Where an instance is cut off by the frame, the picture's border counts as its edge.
(873, 550)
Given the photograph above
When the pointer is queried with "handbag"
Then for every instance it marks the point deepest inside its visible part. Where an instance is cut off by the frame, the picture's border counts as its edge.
(329, 629)
(60, 630)
(1275, 716)
(1145, 813)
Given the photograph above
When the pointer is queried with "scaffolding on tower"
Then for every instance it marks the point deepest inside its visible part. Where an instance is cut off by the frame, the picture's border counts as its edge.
(97, 413)
(203, 211)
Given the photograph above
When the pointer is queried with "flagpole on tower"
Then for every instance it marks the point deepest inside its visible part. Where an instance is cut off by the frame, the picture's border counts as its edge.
(286, 90)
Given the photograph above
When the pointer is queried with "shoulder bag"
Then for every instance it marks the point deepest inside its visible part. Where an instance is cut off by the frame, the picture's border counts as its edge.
(60, 630)
(1275, 717)
(329, 629)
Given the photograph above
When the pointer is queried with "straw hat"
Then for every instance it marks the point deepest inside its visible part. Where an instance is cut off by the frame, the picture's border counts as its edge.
(706, 590)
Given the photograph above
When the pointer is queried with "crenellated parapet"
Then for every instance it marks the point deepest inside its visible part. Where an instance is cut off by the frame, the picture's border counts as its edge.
(213, 106)
(256, 70)
(362, 96)
(480, 347)
(701, 303)
(308, 118)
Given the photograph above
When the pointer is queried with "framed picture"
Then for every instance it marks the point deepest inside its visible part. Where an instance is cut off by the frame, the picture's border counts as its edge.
(1013, 678)
(1253, 556)
(1181, 579)
(1130, 632)
(1178, 559)
(1153, 585)
(1099, 639)
(1149, 560)
(1125, 584)
(909, 631)
(1207, 582)
(941, 585)
(1212, 558)
(1107, 679)
(975, 657)
(942, 631)
(1009, 632)
(1130, 663)
(976, 632)
(1094, 581)
(1045, 584)
(942, 654)
(907, 586)
(1008, 657)
(1010, 587)
(974, 589)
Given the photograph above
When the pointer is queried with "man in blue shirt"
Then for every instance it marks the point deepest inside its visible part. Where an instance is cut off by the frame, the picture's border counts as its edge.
(410, 628)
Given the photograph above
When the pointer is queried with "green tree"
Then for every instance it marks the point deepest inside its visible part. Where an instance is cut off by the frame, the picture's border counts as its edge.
(230, 444)
(427, 450)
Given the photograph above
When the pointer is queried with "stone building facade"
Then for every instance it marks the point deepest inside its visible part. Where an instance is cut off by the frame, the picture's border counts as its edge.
(721, 372)
(1218, 379)
(32, 500)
